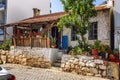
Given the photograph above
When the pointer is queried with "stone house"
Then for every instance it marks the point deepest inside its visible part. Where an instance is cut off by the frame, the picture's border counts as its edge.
(101, 28)
(34, 36)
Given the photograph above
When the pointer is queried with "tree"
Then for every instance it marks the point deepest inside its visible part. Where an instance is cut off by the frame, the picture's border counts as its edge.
(79, 13)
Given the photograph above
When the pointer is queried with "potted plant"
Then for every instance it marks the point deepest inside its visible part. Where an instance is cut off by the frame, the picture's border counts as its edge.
(104, 51)
(53, 42)
(96, 47)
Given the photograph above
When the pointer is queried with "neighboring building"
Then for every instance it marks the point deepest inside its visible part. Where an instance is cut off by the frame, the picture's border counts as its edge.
(117, 23)
(15, 10)
(2, 18)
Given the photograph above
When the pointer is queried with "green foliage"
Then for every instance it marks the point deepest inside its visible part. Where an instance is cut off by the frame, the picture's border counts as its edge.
(101, 47)
(75, 51)
(85, 47)
(6, 45)
(80, 49)
(107, 49)
(97, 44)
(80, 11)
(53, 40)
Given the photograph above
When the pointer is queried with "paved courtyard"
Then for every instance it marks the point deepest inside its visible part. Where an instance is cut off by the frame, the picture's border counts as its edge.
(32, 73)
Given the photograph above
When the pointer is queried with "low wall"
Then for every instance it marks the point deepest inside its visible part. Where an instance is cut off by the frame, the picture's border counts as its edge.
(49, 53)
(86, 65)
(39, 57)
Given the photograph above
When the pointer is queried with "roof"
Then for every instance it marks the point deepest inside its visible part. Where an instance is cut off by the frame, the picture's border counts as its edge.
(101, 7)
(40, 19)
(48, 17)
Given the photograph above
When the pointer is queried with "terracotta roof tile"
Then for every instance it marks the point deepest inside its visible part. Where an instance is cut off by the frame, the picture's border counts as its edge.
(44, 18)
(40, 19)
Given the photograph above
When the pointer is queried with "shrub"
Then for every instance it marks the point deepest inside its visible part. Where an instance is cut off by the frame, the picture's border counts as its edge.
(6, 45)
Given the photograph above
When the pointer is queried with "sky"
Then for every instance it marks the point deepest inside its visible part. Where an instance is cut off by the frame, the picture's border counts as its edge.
(58, 7)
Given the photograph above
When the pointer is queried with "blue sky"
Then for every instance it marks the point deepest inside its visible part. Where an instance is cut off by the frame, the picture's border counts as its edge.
(58, 7)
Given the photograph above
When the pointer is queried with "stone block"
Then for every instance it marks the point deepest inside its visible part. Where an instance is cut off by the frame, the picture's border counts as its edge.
(97, 75)
(62, 65)
(94, 70)
(4, 58)
(89, 74)
(103, 67)
(113, 70)
(82, 64)
(104, 73)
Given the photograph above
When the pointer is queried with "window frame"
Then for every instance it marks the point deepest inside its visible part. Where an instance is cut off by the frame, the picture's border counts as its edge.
(93, 31)
(73, 34)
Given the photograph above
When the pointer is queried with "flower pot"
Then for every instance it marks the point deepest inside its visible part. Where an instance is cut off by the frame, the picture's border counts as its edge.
(94, 51)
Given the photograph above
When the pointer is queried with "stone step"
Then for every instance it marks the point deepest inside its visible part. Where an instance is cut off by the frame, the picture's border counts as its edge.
(58, 60)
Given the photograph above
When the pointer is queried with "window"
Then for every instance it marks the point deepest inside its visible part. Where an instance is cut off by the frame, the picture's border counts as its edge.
(73, 33)
(1, 31)
(93, 32)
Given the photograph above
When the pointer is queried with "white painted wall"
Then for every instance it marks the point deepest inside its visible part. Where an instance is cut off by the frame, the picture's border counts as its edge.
(1, 21)
(21, 9)
(117, 13)
(117, 22)
(50, 54)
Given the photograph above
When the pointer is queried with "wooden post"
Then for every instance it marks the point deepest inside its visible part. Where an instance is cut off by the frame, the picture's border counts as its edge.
(48, 42)
(14, 36)
(14, 41)
(31, 36)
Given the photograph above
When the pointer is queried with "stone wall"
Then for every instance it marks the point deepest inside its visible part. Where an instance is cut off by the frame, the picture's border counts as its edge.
(86, 65)
(37, 57)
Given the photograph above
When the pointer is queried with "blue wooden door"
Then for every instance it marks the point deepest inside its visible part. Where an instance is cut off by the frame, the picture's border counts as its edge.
(64, 42)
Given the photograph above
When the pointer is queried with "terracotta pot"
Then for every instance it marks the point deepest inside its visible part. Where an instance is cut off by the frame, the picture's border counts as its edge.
(94, 51)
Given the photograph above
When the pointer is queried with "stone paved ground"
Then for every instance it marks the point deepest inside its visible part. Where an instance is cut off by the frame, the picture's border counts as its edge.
(32, 73)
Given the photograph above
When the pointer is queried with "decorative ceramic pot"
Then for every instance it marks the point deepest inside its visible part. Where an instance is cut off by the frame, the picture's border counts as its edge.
(94, 51)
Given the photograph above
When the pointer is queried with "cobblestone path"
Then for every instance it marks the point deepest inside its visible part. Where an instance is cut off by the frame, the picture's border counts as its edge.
(32, 73)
